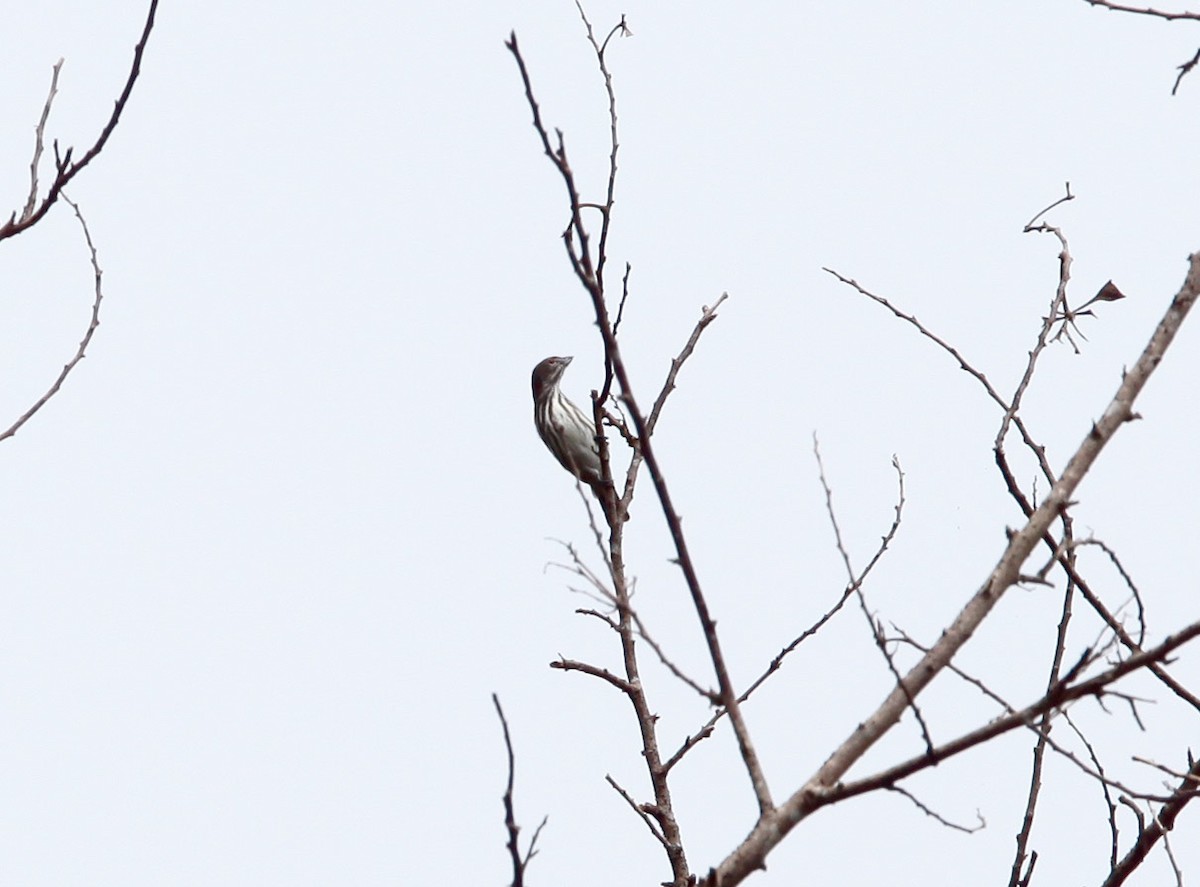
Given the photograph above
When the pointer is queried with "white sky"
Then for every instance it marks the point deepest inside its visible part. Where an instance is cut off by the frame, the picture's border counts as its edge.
(265, 557)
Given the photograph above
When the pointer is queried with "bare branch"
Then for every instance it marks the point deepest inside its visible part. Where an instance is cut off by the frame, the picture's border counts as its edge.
(1069, 196)
(707, 316)
(595, 671)
(969, 829)
(827, 781)
(1104, 783)
(1185, 69)
(581, 263)
(1039, 748)
(1129, 583)
(876, 632)
(1057, 698)
(40, 143)
(519, 862)
(775, 664)
(1150, 835)
(1144, 10)
(638, 809)
(81, 351)
(606, 210)
(65, 169)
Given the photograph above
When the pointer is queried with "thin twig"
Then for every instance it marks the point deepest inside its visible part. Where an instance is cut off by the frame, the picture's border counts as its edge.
(876, 632)
(39, 143)
(775, 664)
(65, 169)
(1144, 10)
(636, 808)
(1129, 583)
(519, 862)
(707, 315)
(1039, 451)
(1057, 698)
(924, 808)
(1150, 835)
(595, 671)
(827, 782)
(1039, 748)
(81, 351)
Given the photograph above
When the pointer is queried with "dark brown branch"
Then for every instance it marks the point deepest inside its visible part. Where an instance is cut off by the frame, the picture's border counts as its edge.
(1129, 583)
(1105, 788)
(519, 862)
(1039, 748)
(1150, 835)
(65, 169)
(1144, 10)
(1185, 69)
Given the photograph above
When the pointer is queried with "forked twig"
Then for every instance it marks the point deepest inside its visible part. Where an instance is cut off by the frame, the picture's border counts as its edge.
(65, 169)
(520, 862)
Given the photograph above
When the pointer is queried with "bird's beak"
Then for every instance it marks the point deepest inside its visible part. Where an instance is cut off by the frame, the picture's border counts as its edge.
(567, 360)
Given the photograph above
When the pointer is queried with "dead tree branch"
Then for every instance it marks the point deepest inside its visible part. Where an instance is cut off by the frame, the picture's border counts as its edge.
(81, 351)
(65, 169)
(827, 783)
(520, 861)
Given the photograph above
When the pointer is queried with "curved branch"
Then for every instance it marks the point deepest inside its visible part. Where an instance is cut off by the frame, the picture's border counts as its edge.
(81, 351)
(66, 170)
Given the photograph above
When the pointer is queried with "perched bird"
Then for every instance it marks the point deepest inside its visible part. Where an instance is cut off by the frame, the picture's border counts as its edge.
(563, 427)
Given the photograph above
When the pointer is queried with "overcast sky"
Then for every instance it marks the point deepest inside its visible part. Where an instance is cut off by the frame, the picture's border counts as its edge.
(285, 529)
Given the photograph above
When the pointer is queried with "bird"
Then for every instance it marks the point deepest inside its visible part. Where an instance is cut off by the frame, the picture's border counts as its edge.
(565, 430)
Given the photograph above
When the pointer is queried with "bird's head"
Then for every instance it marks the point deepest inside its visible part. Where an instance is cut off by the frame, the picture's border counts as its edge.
(547, 374)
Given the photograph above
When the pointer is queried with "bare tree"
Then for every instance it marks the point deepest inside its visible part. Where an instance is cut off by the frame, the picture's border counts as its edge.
(1122, 648)
(38, 203)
